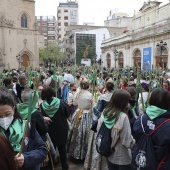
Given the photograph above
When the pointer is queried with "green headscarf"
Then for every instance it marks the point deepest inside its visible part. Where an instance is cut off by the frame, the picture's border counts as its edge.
(51, 109)
(110, 122)
(154, 112)
(16, 133)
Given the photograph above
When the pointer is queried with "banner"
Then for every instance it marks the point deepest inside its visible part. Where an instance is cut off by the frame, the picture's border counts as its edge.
(147, 58)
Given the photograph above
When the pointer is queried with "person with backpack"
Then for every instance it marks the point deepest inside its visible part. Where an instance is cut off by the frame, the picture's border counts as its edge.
(151, 132)
(93, 159)
(114, 139)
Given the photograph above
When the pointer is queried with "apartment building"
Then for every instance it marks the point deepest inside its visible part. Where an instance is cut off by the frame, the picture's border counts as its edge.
(47, 27)
(67, 14)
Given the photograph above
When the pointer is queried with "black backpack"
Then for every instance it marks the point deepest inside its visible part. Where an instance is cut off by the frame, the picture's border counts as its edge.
(104, 141)
(144, 156)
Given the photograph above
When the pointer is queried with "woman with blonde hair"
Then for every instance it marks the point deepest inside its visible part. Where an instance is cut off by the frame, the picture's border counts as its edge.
(81, 121)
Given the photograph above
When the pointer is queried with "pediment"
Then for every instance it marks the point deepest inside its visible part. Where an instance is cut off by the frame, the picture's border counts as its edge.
(149, 5)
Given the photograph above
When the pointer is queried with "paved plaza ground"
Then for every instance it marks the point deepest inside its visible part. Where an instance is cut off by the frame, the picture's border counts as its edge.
(73, 165)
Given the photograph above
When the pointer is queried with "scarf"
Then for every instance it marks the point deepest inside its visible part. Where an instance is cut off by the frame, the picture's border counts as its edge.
(154, 112)
(51, 109)
(22, 85)
(30, 83)
(110, 122)
(23, 110)
(16, 130)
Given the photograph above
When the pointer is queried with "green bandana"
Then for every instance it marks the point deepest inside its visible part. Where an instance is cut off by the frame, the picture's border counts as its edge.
(154, 112)
(30, 83)
(109, 122)
(55, 78)
(23, 110)
(21, 85)
(51, 109)
(16, 133)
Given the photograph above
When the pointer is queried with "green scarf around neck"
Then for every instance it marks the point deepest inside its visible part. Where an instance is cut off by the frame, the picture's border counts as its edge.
(51, 109)
(154, 112)
(16, 130)
(22, 85)
(23, 110)
(110, 122)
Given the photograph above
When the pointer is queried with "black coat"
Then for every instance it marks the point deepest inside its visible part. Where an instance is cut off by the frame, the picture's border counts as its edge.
(58, 128)
(160, 139)
(38, 123)
(19, 90)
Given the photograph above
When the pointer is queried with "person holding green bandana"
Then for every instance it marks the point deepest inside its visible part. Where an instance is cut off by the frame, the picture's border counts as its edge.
(12, 127)
(37, 120)
(157, 112)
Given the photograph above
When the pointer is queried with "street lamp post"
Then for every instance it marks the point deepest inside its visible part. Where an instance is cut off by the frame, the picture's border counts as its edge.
(115, 56)
(162, 46)
(19, 59)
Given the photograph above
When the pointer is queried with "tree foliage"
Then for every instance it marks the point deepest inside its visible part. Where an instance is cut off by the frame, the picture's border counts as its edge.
(50, 53)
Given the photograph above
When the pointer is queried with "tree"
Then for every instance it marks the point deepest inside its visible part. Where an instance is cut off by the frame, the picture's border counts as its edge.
(51, 53)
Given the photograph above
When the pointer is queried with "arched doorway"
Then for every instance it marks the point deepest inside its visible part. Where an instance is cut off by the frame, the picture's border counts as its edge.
(162, 59)
(108, 59)
(120, 60)
(137, 57)
(25, 60)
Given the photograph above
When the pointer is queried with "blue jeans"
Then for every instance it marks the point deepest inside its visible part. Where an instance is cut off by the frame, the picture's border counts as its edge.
(117, 167)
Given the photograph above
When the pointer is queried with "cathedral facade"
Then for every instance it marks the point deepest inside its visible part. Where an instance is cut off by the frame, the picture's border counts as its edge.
(146, 43)
(19, 37)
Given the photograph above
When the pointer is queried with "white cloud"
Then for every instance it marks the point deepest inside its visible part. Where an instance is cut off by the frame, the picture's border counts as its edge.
(91, 10)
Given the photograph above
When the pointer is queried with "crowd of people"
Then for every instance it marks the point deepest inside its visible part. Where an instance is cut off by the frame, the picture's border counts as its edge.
(70, 110)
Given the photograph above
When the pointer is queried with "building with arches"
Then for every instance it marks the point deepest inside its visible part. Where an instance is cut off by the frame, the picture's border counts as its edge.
(19, 38)
(139, 45)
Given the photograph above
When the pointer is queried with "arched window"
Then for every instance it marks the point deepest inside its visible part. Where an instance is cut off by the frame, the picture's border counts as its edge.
(24, 21)
(138, 53)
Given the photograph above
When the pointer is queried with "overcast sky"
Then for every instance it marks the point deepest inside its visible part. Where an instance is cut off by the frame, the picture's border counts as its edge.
(91, 10)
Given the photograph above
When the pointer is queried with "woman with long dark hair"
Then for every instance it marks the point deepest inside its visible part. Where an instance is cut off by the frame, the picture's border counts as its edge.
(115, 118)
(93, 159)
(7, 161)
(156, 113)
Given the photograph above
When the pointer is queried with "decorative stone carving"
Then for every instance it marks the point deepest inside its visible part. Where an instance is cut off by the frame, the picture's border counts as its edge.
(6, 22)
(25, 42)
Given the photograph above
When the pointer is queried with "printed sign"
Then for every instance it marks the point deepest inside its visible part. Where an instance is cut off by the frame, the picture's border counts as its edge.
(147, 58)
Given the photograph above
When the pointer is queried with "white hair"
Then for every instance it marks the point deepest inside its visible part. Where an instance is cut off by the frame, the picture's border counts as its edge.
(25, 95)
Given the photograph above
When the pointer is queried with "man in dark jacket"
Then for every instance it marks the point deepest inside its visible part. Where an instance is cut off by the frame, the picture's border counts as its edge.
(22, 85)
